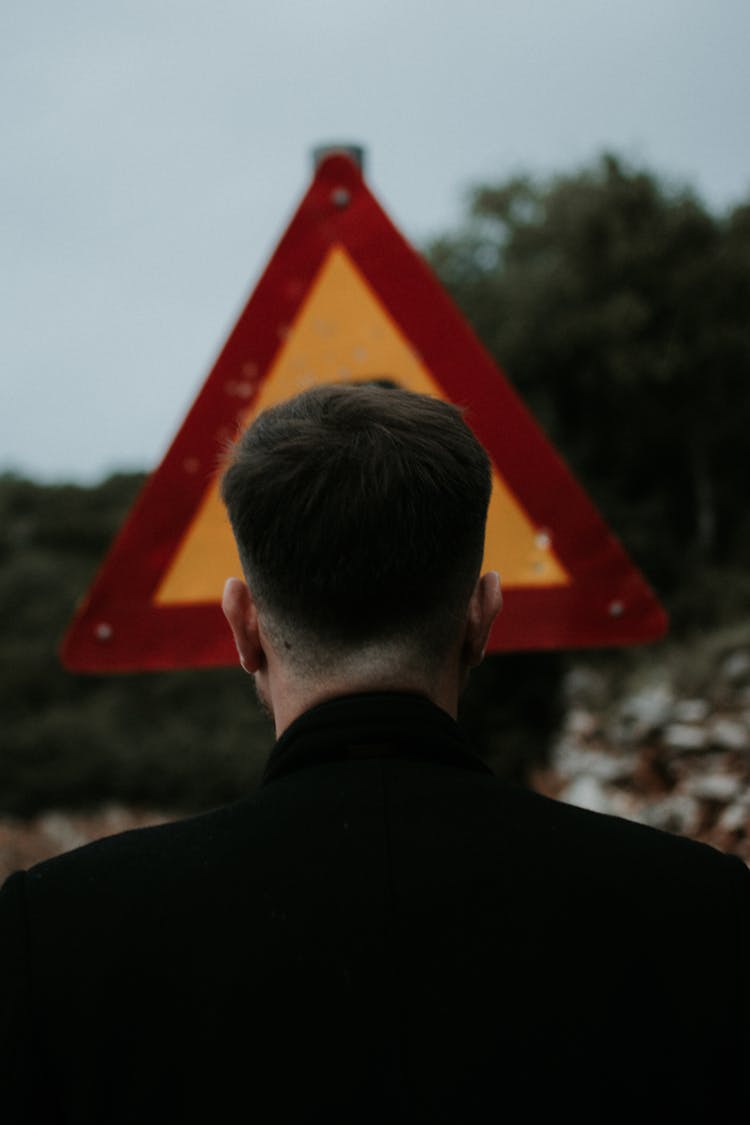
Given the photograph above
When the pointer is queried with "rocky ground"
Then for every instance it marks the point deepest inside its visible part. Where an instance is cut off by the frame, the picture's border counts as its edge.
(661, 738)
(667, 744)
(25, 842)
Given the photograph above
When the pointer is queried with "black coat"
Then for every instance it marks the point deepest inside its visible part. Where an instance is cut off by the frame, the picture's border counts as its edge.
(384, 932)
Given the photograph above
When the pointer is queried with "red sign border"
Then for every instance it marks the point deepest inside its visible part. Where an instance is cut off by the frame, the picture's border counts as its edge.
(118, 627)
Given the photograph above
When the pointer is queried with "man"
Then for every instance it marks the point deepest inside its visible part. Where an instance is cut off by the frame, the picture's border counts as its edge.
(384, 932)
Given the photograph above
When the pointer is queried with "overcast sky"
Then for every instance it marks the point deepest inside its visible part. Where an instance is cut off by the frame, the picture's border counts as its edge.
(154, 150)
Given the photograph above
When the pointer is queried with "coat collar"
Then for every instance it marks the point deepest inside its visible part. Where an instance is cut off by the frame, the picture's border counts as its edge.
(374, 725)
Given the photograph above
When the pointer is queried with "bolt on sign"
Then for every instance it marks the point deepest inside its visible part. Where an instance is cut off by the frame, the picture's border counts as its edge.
(344, 298)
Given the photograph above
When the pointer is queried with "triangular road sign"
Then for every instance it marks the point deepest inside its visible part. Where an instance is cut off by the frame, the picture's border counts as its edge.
(346, 299)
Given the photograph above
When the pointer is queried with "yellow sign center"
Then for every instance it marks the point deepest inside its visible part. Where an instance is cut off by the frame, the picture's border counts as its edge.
(344, 334)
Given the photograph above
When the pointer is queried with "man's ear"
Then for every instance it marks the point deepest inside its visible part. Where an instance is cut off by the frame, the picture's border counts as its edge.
(484, 606)
(240, 611)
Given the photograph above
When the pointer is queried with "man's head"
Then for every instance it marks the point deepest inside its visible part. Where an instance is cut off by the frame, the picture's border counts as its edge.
(359, 516)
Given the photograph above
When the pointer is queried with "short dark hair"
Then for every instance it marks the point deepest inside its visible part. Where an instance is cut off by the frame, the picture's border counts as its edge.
(359, 513)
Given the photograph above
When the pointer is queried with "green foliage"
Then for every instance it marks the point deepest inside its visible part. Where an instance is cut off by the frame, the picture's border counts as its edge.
(619, 309)
(182, 740)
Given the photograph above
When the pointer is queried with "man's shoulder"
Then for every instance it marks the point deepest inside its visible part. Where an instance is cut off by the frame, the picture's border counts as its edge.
(467, 813)
(568, 828)
(142, 855)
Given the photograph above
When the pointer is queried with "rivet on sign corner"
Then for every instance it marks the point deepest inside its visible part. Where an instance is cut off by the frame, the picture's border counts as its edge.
(616, 609)
(103, 631)
(341, 197)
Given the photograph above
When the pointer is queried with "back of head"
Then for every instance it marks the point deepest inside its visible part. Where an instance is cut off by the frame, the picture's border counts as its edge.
(359, 515)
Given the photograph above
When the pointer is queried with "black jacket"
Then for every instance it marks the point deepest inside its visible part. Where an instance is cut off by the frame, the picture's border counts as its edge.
(384, 932)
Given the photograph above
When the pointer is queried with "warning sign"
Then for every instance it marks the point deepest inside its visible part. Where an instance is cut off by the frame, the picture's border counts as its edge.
(346, 299)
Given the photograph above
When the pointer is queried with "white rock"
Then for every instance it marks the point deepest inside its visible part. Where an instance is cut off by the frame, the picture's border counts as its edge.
(680, 736)
(587, 793)
(714, 787)
(736, 667)
(581, 723)
(571, 761)
(730, 734)
(584, 687)
(648, 710)
(678, 812)
(735, 816)
(62, 830)
(690, 711)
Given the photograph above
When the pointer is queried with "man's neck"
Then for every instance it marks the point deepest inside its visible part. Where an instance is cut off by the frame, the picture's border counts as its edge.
(288, 698)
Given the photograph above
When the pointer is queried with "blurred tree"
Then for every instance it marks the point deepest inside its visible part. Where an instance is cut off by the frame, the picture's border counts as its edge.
(620, 309)
(184, 740)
